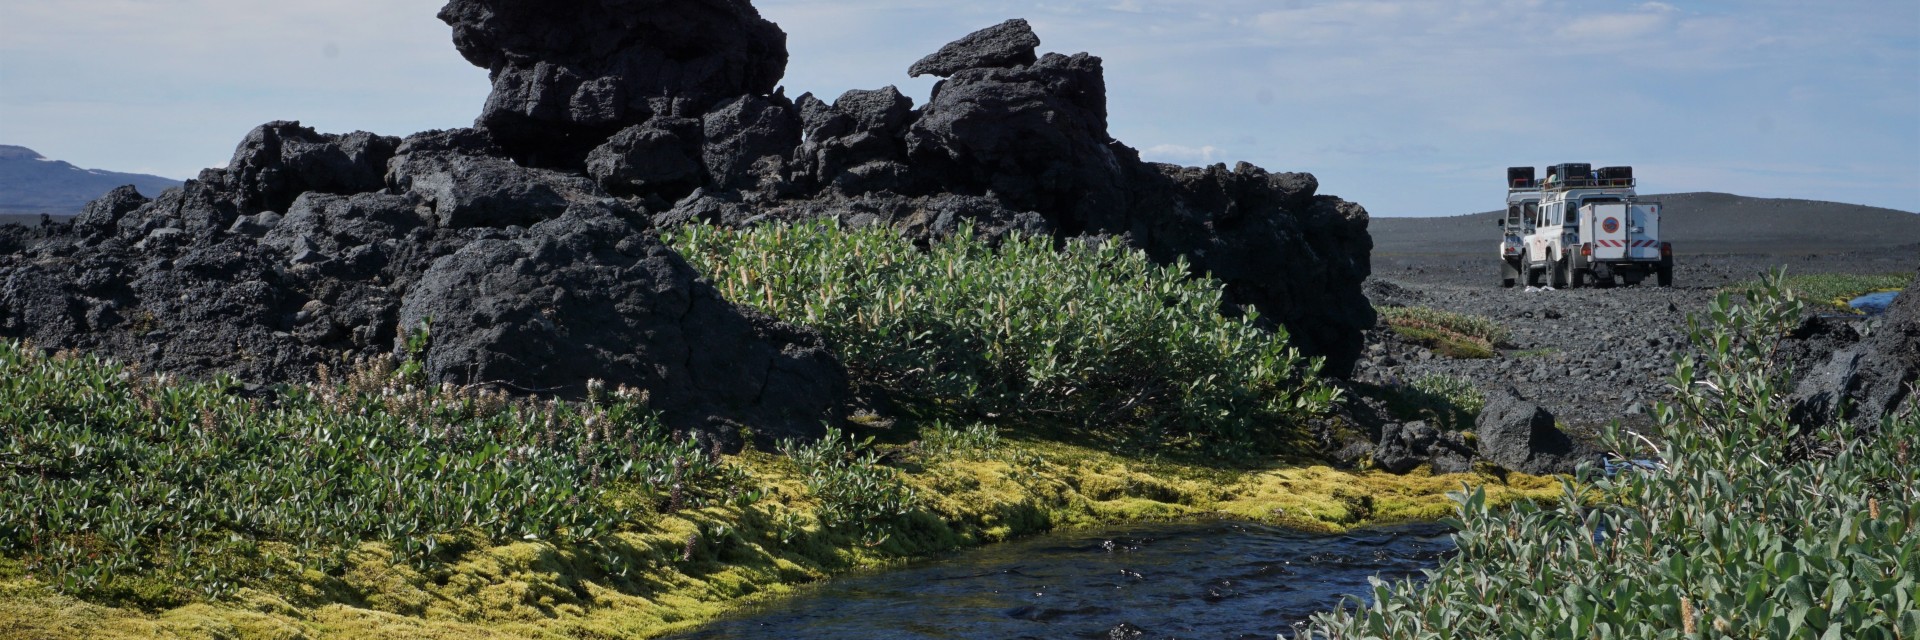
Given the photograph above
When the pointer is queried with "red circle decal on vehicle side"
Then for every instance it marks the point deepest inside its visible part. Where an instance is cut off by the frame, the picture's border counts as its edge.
(1611, 225)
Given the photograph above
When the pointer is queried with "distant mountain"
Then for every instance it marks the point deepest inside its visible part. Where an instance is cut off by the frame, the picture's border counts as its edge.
(32, 184)
(1693, 222)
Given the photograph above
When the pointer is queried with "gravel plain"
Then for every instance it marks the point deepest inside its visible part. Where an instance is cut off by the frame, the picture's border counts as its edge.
(1590, 356)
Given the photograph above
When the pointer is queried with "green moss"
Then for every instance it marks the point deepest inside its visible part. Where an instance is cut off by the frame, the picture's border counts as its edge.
(1445, 343)
(1450, 334)
(740, 555)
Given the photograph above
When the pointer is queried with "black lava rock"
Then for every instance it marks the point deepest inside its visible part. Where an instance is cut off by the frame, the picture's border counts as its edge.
(566, 76)
(1008, 44)
(1841, 375)
(1520, 435)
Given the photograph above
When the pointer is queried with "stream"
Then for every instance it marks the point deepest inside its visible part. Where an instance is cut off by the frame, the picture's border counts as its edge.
(1219, 579)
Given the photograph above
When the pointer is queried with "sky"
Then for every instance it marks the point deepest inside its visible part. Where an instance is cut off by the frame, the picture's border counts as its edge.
(1411, 108)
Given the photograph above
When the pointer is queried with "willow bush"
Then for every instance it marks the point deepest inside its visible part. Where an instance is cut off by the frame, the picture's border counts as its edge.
(1731, 523)
(1093, 334)
(855, 490)
(122, 485)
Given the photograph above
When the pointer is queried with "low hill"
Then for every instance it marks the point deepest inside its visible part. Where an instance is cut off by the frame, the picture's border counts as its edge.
(32, 184)
(1694, 223)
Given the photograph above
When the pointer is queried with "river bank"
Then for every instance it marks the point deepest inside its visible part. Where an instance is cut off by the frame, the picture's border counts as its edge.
(147, 506)
(690, 566)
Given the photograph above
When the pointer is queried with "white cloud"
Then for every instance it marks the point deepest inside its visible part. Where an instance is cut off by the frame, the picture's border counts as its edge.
(1182, 154)
(1617, 28)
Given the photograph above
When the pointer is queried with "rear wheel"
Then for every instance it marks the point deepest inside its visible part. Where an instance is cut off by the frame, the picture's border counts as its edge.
(1526, 266)
(1560, 273)
(1579, 278)
(1508, 273)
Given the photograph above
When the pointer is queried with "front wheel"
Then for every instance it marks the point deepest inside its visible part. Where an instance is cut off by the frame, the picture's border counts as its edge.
(1560, 273)
(1526, 267)
(1665, 275)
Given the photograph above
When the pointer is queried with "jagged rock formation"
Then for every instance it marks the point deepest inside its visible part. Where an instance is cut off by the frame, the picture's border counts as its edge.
(528, 239)
(310, 249)
(566, 75)
(1841, 374)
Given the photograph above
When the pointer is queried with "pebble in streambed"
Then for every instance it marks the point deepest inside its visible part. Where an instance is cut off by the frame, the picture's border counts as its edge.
(1192, 580)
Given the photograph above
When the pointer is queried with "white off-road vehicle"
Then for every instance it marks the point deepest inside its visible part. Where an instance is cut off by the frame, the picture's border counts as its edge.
(1580, 227)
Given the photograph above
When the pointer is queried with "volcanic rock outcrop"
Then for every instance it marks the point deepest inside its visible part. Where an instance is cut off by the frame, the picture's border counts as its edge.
(528, 242)
(311, 249)
(1841, 374)
(566, 75)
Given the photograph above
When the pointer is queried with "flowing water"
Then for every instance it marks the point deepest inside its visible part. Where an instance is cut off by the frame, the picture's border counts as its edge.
(1192, 580)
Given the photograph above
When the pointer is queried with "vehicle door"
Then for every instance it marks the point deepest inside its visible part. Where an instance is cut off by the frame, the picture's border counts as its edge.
(1642, 238)
(1611, 225)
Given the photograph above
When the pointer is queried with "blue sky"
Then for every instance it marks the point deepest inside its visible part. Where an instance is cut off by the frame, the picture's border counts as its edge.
(1410, 108)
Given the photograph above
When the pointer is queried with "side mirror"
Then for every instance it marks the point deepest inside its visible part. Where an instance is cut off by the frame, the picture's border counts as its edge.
(1499, 222)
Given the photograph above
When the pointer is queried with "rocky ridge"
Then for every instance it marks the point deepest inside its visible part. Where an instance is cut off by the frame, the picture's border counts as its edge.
(529, 242)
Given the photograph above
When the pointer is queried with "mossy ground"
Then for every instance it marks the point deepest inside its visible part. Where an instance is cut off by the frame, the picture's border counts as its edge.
(1830, 292)
(1450, 334)
(693, 565)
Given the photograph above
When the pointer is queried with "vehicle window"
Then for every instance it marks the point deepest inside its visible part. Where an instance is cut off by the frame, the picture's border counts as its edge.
(1533, 210)
(1573, 215)
(1513, 215)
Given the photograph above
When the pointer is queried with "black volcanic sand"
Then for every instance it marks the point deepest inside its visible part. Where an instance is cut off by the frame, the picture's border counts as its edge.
(1590, 356)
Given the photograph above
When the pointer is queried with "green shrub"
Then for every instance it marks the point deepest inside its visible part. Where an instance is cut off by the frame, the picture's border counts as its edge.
(1744, 527)
(1450, 401)
(939, 441)
(112, 481)
(856, 492)
(1091, 334)
(1455, 335)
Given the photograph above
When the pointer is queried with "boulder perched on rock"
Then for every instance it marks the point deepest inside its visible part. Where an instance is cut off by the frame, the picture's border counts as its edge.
(1520, 435)
(568, 75)
(1008, 44)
